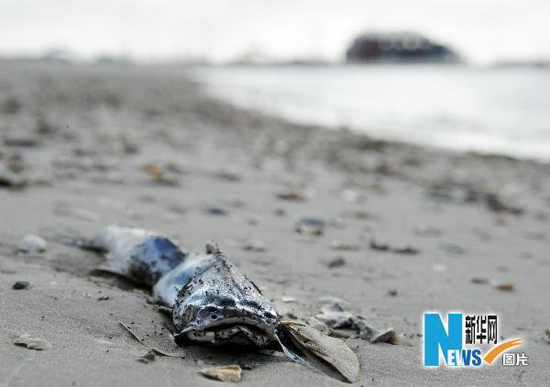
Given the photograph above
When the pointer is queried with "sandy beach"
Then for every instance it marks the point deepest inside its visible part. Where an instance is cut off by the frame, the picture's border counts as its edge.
(408, 229)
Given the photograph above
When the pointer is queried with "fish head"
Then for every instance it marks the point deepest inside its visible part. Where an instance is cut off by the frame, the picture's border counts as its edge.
(221, 306)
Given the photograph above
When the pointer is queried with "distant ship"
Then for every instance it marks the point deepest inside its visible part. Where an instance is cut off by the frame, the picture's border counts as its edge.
(398, 47)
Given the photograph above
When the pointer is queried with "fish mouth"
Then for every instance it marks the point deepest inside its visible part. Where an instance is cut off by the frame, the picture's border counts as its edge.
(236, 330)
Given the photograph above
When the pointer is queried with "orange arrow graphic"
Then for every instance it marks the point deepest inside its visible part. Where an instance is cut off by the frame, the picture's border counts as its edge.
(493, 353)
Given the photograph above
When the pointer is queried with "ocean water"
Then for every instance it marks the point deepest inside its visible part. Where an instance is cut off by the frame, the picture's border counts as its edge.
(492, 110)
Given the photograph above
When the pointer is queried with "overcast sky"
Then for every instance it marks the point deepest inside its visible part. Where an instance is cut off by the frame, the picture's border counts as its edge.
(483, 30)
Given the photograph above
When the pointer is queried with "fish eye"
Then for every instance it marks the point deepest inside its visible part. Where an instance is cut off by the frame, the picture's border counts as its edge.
(213, 316)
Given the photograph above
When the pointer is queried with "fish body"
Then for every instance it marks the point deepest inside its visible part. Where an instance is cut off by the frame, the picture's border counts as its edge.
(140, 255)
(212, 301)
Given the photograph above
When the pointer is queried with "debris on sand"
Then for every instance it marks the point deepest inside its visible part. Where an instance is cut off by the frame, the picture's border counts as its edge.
(20, 285)
(32, 343)
(231, 373)
(345, 246)
(149, 357)
(336, 262)
(469, 193)
(294, 195)
(32, 244)
(22, 141)
(479, 281)
(334, 316)
(310, 225)
(362, 215)
(407, 250)
(379, 246)
(496, 204)
(288, 299)
(9, 180)
(158, 174)
(216, 211)
(254, 245)
(506, 286)
(332, 350)
(387, 336)
(366, 332)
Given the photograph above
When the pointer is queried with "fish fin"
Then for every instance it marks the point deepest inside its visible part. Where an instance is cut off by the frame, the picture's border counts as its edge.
(291, 355)
(212, 248)
(330, 355)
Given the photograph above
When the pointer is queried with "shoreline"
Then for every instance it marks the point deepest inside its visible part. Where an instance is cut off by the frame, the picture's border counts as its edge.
(145, 147)
(337, 98)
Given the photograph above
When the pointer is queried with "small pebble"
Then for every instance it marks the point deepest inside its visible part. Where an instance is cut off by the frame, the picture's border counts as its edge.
(336, 262)
(19, 285)
(32, 244)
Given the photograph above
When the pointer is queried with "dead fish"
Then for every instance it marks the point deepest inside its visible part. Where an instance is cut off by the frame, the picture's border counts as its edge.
(212, 302)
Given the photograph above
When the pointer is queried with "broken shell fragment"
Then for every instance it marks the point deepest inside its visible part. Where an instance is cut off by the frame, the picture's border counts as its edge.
(32, 343)
(387, 336)
(230, 373)
(335, 317)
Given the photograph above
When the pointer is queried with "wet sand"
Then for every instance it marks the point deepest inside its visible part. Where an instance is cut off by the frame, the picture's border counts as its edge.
(83, 147)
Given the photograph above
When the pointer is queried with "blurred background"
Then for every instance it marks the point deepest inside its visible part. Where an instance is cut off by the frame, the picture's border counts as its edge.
(471, 75)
